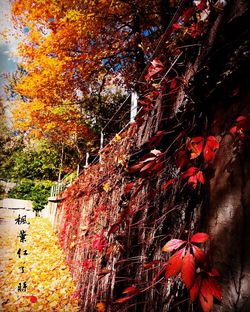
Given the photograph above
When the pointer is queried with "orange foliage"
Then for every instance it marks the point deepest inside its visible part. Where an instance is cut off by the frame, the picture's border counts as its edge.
(72, 45)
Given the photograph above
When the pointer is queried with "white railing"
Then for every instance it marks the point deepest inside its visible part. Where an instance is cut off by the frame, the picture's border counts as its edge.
(67, 180)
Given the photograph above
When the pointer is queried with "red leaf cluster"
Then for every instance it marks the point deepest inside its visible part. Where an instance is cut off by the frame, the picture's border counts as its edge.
(168, 184)
(210, 148)
(154, 69)
(195, 30)
(130, 291)
(202, 5)
(196, 146)
(150, 163)
(187, 14)
(242, 127)
(185, 260)
(100, 242)
(128, 187)
(147, 103)
(194, 175)
(87, 264)
(156, 139)
(206, 287)
(173, 84)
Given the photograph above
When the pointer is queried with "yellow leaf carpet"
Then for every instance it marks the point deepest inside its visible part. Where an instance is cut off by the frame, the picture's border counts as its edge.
(33, 272)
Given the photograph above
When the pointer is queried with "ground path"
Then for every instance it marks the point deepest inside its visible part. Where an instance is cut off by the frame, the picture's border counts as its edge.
(40, 266)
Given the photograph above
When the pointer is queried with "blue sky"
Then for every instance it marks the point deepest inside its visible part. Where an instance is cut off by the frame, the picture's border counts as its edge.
(7, 48)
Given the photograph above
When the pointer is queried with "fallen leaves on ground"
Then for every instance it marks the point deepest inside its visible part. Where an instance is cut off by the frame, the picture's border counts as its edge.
(49, 284)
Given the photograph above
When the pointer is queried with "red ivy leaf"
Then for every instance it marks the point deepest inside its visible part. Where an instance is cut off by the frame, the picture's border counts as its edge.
(172, 245)
(135, 167)
(176, 26)
(208, 154)
(131, 290)
(168, 184)
(182, 158)
(199, 255)
(214, 272)
(100, 242)
(215, 288)
(212, 142)
(191, 171)
(195, 145)
(148, 166)
(173, 84)
(202, 5)
(174, 264)
(150, 264)
(157, 63)
(188, 269)
(154, 69)
(124, 299)
(158, 167)
(187, 14)
(128, 187)
(192, 182)
(157, 138)
(200, 177)
(33, 299)
(241, 118)
(114, 227)
(195, 289)
(206, 297)
(210, 147)
(233, 130)
(199, 238)
(195, 29)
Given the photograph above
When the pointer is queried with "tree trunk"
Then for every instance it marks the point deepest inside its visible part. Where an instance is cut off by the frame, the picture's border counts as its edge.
(227, 96)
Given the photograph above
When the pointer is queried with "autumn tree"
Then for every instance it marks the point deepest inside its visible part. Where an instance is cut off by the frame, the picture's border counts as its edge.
(72, 52)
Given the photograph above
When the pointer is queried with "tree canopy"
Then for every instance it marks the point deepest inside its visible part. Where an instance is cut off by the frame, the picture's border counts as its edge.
(72, 51)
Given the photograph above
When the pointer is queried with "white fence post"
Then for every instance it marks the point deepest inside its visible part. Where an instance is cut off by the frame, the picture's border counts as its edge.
(101, 140)
(134, 105)
(101, 145)
(87, 160)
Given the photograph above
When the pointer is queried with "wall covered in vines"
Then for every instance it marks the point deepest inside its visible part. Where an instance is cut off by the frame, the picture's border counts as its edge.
(150, 226)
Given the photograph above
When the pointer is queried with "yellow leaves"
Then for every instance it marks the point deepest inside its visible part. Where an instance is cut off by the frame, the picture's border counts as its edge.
(90, 14)
(45, 272)
(106, 187)
(121, 160)
(72, 245)
(117, 137)
(51, 125)
(100, 307)
(73, 15)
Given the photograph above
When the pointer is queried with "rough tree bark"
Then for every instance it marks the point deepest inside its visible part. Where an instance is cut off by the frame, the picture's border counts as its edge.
(225, 93)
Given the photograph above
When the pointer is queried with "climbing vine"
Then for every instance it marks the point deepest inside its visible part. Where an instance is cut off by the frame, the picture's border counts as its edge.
(130, 223)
